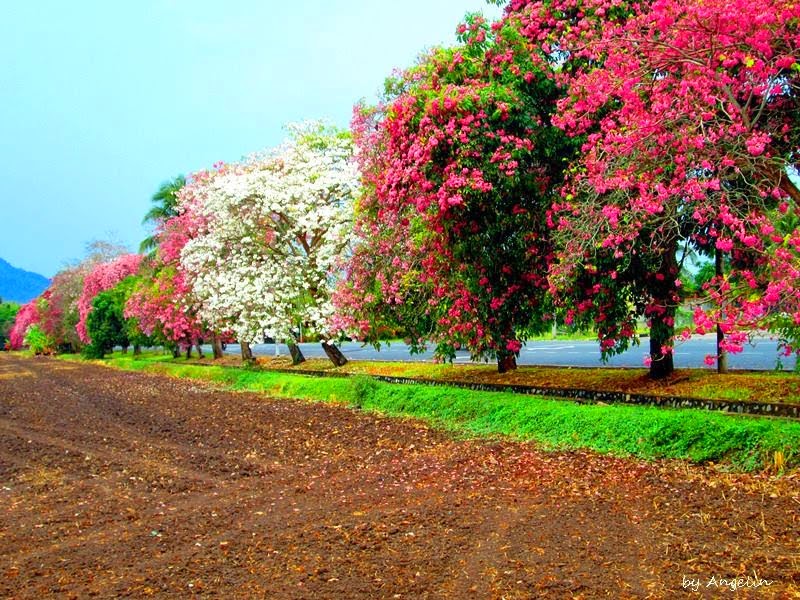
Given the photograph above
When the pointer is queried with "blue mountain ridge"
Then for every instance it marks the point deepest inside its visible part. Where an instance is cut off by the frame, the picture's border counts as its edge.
(18, 285)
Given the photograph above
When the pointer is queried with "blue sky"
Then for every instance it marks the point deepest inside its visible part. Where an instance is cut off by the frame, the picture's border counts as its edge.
(102, 101)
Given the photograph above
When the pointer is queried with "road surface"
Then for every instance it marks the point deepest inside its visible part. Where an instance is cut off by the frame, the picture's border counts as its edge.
(762, 355)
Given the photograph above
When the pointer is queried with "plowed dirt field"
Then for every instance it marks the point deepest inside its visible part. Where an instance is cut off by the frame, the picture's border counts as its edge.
(116, 484)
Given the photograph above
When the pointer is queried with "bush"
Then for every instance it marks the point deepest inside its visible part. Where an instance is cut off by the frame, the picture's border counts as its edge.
(38, 341)
(106, 324)
(93, 351)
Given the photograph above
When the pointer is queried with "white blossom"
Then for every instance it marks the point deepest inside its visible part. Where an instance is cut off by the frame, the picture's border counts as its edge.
(275, 226)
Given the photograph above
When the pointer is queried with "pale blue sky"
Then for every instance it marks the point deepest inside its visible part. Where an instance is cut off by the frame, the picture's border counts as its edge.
(102, 101)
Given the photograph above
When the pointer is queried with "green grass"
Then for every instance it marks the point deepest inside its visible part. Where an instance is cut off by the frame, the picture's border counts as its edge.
(745, 443)
(715, 391)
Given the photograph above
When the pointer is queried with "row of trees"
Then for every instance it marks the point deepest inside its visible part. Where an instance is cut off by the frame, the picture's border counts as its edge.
(567, 159)
(241, 251)
(50, 322)
(561, 163)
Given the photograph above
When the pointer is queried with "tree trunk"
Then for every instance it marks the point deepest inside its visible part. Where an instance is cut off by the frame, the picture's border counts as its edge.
(124, 349)
(297, 354)
(247, 352)
(782, 179)
(662, 318)
(176, 351)
(216, 346)
(788, 186)
(334, 354)
(661, 334)
(137, 350)
(722, 356)
(506, 362)
(199, 350)
(188, 352)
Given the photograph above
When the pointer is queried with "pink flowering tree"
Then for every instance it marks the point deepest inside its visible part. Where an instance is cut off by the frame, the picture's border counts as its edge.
(161, 304)
(459, 164)
(103, 277)
(761, 294)
(687, 112)
(33, 326)
(56, 310)
(59, 314)
(161, 301)
(28, 316)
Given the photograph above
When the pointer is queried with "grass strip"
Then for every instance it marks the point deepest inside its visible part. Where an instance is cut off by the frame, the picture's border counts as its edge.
(744, 443)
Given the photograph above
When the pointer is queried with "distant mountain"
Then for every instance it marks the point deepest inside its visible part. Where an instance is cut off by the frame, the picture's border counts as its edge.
(20, 286)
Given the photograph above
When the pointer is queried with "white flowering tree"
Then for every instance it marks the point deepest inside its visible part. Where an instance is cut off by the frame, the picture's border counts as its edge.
(274, 228)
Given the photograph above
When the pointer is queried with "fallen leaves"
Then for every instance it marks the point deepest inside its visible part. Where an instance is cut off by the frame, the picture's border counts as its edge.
(193, 490)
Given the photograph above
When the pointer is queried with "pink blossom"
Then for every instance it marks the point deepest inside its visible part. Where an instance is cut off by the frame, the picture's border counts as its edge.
(724, 244)
(103, 276)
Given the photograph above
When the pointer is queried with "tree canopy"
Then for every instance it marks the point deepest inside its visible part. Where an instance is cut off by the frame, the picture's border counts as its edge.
(460, 163)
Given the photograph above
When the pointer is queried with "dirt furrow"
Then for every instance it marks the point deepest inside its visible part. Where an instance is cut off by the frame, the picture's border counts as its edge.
(118, 484)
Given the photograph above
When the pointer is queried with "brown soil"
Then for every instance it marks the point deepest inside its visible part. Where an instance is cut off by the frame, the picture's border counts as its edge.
(119, 484)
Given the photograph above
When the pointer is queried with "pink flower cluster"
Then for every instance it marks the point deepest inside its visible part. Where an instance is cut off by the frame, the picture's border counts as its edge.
(446, 161)
(687, 108)
(161, 306)
(102, 277)
(27, 316)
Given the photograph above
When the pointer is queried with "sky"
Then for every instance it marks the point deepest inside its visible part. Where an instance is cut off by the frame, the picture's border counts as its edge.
(103, 101)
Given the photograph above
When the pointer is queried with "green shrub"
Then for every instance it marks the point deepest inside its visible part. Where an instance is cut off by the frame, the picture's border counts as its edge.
(38, 341)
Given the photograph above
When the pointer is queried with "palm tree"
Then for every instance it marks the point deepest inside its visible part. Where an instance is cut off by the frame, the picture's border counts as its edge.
(165, 204)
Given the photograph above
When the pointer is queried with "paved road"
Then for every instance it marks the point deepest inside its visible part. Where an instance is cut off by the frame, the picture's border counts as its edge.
(762, 355)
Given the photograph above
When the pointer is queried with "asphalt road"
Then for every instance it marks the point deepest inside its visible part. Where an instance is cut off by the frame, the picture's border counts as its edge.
(762, 355)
